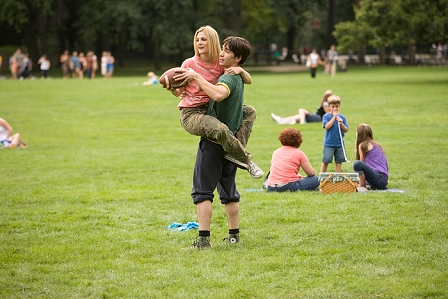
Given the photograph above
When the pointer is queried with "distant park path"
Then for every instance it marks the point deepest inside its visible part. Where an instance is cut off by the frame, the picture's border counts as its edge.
(282, 68)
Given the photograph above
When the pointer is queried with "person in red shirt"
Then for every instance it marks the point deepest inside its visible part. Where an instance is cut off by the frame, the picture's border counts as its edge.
(286, 163)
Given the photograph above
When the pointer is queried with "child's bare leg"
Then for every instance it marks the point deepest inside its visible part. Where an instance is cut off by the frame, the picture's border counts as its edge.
(22, 144)
(15, 139)
(323, 167)
(290, 120)
(302, 115)
(338, 167)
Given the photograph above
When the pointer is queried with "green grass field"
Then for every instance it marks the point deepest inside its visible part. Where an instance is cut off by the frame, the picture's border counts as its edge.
(85, 209)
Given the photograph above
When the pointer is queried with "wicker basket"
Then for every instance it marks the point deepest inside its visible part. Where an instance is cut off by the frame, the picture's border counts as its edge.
(331, 182)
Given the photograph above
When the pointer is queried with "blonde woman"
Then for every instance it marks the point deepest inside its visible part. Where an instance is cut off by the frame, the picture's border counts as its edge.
(194, 101)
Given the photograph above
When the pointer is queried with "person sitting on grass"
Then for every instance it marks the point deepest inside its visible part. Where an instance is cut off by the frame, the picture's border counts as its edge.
(286, 163)
(152, 79)
(371, 162)
(6, 139)
(304, 116)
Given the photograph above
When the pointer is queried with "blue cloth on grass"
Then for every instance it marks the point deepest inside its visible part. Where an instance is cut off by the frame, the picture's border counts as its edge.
(183, 227)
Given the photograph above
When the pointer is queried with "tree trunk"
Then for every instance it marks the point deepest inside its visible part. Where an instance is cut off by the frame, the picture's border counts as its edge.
(120, 48)
(361, 53)
(382, 55)
(31, 44)
(42, 28)
(232, 20)
(61, 14)
(411, 53)
(330, 24)
(291, 36)
(156, 48)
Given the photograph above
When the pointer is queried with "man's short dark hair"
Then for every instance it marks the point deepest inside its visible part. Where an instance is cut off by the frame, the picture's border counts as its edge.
(239, 46)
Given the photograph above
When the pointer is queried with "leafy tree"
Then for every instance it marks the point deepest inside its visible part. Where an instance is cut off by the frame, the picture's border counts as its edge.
(159, 28)
(28, 19)
(384, 23)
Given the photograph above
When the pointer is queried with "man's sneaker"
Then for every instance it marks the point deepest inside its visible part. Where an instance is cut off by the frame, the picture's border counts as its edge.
(254, 170)
(201, 243)
(237, 162)
(232, 239)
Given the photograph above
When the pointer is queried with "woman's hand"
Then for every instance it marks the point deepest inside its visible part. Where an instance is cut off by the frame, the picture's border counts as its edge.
(234, 70)
(186, 75)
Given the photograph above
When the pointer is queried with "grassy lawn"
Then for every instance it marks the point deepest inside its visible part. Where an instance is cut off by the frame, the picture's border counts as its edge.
(85, 209)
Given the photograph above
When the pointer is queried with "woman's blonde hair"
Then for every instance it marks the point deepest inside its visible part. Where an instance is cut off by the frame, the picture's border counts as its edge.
(325, 97)
(214, 46)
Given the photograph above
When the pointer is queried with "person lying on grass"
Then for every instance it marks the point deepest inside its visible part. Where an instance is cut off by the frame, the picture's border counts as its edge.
(6, 139)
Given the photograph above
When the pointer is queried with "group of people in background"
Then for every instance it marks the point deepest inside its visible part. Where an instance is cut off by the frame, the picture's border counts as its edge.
(371, 162)
(78, 65)
(75, 65)
(20, 65)
(330, 61)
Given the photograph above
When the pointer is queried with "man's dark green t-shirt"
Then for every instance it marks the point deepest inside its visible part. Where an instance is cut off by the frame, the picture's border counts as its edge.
(230, 110)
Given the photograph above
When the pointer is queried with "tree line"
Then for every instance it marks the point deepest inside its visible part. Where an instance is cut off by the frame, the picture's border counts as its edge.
(162, 30)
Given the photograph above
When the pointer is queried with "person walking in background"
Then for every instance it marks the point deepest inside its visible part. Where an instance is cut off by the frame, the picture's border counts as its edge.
(94, 65)
(331, 60)
(75, 64)
(19, 58)
(313, 62)
(335, 125)
(13, 66)
(44, 66)
(286, 163)
(103, 63)
(304, 116)
(110, 61)
(7, 140)
(81, 65)
(371, 162)
(27, 67)
(89, 64)
(65, 61)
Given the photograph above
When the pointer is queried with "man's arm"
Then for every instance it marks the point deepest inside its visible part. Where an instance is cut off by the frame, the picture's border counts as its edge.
(215, 92)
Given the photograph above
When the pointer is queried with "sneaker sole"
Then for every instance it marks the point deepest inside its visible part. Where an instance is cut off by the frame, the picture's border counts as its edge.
(237, 162)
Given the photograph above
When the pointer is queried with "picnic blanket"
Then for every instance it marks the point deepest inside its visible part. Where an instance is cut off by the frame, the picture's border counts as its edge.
(395, 190)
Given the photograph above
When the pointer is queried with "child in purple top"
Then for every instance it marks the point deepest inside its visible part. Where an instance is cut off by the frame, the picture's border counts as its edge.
(371, 161)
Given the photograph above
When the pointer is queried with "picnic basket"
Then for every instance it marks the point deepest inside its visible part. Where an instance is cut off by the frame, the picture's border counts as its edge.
(331, 182)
